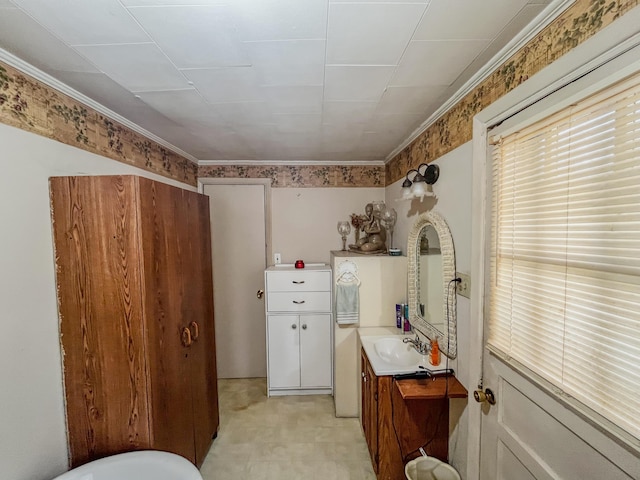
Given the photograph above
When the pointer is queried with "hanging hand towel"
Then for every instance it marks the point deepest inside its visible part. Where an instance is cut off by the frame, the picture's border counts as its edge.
(347, 302)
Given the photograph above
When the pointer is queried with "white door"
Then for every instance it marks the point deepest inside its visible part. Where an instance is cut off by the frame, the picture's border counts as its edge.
(315, 351)
(528, 434)
(284, 351)
(239, 258)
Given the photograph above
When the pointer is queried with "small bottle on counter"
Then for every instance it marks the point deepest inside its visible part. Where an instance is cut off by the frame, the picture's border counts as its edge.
(406, 326)
(434, 354)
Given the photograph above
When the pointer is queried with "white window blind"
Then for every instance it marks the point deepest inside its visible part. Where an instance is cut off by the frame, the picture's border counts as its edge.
(565, 254)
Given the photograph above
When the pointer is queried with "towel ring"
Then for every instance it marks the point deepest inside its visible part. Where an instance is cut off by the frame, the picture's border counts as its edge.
(347, 272)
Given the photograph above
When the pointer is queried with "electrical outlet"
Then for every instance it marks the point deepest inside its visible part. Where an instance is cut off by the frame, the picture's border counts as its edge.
(463, 287)
(277, 259)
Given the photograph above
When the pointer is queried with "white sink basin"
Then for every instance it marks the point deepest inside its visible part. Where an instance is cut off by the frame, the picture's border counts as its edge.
(394, 351)
(388, 355)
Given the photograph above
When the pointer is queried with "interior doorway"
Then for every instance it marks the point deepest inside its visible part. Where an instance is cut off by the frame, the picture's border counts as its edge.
(240, 247)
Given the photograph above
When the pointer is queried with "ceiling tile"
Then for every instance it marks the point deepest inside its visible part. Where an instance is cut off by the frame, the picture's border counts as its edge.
(151, 3)
(226, 84)
(394, 125)
(356, 83)
(196, 36)
(294, 99)
(466, 19)
(524, 16)
(370, 33)
(288, 62)
(281, 19)
(86, 23)
(435, 62)
(380, 1)
(184, 106)
(409, 99)
(138, 67)
(347, 113)
(24, 37)
(245, 113)
(303, 122)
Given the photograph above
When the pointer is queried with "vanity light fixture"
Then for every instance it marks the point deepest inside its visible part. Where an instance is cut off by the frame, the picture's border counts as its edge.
(417, 187)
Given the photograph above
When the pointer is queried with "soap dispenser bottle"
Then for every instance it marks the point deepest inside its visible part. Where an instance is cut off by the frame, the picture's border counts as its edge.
(434, 354)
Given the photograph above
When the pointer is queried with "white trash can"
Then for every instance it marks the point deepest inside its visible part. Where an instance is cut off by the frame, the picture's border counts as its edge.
(430, 468)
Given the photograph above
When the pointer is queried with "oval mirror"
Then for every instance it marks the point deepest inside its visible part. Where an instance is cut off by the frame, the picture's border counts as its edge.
(432, 292)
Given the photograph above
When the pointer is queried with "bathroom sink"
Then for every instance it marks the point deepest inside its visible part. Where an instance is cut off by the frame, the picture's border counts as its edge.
(388, 355)
(394, 351)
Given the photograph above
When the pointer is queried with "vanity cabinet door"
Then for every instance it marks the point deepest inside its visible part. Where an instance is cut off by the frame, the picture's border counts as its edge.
(370, 409)
(315, 351)
(284, 351)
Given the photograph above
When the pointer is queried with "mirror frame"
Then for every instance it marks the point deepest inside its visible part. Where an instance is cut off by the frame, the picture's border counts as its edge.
(448, 345)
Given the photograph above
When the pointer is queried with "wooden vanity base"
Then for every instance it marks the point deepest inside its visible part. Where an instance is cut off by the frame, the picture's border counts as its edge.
(400, 416)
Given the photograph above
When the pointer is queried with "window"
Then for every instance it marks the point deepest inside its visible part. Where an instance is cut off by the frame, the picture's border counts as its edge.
(564, 293)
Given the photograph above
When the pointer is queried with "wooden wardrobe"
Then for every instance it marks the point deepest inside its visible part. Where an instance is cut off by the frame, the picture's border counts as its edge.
(135, 295)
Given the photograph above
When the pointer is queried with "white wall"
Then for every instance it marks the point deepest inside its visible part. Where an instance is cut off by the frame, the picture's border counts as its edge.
(33, 444)
(304, 220)
(453, 201)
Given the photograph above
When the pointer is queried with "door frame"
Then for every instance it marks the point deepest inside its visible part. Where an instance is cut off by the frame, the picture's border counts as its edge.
(266, 182)
(611, 47)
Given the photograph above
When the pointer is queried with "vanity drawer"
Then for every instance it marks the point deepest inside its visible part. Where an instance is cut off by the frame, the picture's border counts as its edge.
(302, 281)
(299, 302)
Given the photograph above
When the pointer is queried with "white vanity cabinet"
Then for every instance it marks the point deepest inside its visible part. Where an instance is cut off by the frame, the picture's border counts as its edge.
(299, 330)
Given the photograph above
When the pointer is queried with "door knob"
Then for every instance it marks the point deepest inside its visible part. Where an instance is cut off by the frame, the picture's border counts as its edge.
(487, 395)
(260, 293)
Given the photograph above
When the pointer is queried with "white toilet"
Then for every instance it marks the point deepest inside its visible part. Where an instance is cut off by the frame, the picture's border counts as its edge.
(430, 468)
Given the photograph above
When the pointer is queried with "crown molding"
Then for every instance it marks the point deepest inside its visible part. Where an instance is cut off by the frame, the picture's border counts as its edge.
(320, 163)
(540, 22)
(52, 82)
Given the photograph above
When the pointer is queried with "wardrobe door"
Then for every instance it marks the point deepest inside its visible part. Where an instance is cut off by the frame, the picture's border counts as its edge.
(165, 248)
(202, 357)
(99, 288)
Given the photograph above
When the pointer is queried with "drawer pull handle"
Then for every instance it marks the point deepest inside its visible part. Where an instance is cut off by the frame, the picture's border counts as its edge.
(304, 326)
(297, 283)
(297, 302)
(294, 326)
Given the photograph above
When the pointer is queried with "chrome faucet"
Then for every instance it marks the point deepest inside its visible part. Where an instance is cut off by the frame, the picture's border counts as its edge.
(421, 347)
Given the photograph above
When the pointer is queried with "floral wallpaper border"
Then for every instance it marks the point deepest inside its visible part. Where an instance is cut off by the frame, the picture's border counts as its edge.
(30, 105)
(287, 176)
(580, 21)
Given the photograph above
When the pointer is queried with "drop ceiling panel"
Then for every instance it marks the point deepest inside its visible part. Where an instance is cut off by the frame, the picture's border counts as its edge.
(409, 99)
(294, 99)
(266, 79)
(245, 113)
(281, 19)
(86, 22)
(137, 67)
(224, 85)
(42, 49)
(347, 113)
(466, 19)
(182, 104)
(436, 63)
(370, 33)
(301, 122)
(356, 83)
(290, 62)
(195, 36)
